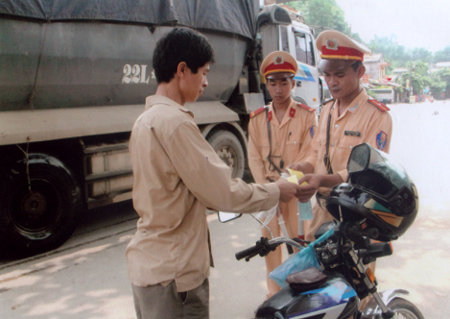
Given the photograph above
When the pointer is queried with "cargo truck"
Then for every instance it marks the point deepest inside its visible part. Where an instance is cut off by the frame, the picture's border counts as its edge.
(74, 77)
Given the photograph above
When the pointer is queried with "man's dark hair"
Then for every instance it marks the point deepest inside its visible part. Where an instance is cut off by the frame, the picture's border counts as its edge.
(180, 45)
(356, 65)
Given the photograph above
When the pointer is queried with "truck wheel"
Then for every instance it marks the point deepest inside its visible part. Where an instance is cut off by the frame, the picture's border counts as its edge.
(38, 208)
(230, 150)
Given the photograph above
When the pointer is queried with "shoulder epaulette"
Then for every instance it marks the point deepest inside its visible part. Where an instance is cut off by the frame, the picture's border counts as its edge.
(306, 107)
(379, 105)
(258, 111)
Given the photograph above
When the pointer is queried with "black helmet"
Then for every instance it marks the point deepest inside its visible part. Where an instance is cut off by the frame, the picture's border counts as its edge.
(378, 192)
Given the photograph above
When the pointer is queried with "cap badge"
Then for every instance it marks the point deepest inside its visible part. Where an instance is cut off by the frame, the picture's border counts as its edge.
(278, 60)
(332, 44)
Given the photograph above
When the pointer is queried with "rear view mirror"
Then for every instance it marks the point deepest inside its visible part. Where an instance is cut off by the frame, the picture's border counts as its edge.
(226, 216)
(359, 158)
(363, 157)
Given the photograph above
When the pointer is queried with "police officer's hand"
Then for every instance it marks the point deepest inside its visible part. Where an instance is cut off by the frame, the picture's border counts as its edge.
(308, 189)
(303, 167)
(313, 182)
(288, 190)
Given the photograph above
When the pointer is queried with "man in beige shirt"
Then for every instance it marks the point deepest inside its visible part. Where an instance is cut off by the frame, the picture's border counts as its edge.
(291, 126)
(350, 119)
(176, 176)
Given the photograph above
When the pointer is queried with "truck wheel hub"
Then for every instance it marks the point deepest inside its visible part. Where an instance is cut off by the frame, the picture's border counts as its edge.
(34, 204)
(226, 154)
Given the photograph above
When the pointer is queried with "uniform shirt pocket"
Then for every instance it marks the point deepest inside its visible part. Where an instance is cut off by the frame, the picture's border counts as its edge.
(349, 140)
(292, 150)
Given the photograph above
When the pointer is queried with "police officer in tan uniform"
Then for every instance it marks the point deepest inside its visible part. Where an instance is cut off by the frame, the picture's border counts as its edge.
(279, 134)
(351, 118)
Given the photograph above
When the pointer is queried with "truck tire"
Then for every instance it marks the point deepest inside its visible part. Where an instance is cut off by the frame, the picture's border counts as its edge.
(37, 209)
(230, 150)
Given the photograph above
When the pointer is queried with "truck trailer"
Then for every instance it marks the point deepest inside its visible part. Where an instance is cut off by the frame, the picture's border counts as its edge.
(74, 78)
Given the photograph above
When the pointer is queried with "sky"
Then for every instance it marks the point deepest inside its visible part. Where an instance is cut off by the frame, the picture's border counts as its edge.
(415, 23)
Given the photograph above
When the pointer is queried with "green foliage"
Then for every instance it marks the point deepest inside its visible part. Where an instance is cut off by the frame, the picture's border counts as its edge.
(419, 67)
(416, 78)
(442, 56)
(437, 86)
(356, 37)
(440, 84)
(321, 14)
(421, 54)
(396, 54)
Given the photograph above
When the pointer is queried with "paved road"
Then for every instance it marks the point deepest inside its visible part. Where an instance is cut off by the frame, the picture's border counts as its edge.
(86, 277)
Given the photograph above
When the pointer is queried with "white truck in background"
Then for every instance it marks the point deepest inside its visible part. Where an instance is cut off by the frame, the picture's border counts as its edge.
(384, 95)
(74, 79)
(297, 38)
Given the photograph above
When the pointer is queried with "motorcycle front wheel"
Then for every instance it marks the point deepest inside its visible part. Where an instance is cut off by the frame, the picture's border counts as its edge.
(403, 309)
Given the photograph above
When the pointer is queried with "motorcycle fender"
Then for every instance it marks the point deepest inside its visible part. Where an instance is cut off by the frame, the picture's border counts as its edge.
(372, 309)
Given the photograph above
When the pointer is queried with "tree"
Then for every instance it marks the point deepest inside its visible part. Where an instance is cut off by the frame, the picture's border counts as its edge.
(420, 67)
(444, 76)
(421, 54)
(392, 52)
(442, 56)
(416, 78)
(321, 14)
(437, 86)
(357, 37)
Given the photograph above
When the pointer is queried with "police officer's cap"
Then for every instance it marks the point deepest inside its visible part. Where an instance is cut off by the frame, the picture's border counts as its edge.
(279, 65)
(336, 46)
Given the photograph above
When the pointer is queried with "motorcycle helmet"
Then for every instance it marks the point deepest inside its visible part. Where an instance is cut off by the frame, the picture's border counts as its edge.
(378, 192)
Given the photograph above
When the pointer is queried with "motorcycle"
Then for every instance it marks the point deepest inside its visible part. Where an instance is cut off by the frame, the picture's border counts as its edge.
(375, 206)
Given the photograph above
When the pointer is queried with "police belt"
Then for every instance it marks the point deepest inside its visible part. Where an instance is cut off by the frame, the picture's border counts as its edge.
(272, 166)
(326, 158)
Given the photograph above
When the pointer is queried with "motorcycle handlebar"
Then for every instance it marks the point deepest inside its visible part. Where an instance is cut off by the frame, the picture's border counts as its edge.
(377, 250)
(265, 246)
(249, 252)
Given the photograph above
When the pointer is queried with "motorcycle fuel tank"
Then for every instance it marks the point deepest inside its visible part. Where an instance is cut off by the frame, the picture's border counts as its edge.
(333, 299)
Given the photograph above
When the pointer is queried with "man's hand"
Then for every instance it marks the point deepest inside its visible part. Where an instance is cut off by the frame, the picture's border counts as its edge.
(288, 190)
(314, 181)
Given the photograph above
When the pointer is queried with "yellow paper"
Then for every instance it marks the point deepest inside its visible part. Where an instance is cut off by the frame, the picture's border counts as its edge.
(298, 175)
(292, 179)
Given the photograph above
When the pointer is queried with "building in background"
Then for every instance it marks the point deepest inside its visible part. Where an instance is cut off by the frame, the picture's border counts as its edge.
(375, 67)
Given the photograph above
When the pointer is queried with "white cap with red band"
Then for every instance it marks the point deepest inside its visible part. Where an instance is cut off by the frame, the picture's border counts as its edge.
(279, 62)
(335, 45)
